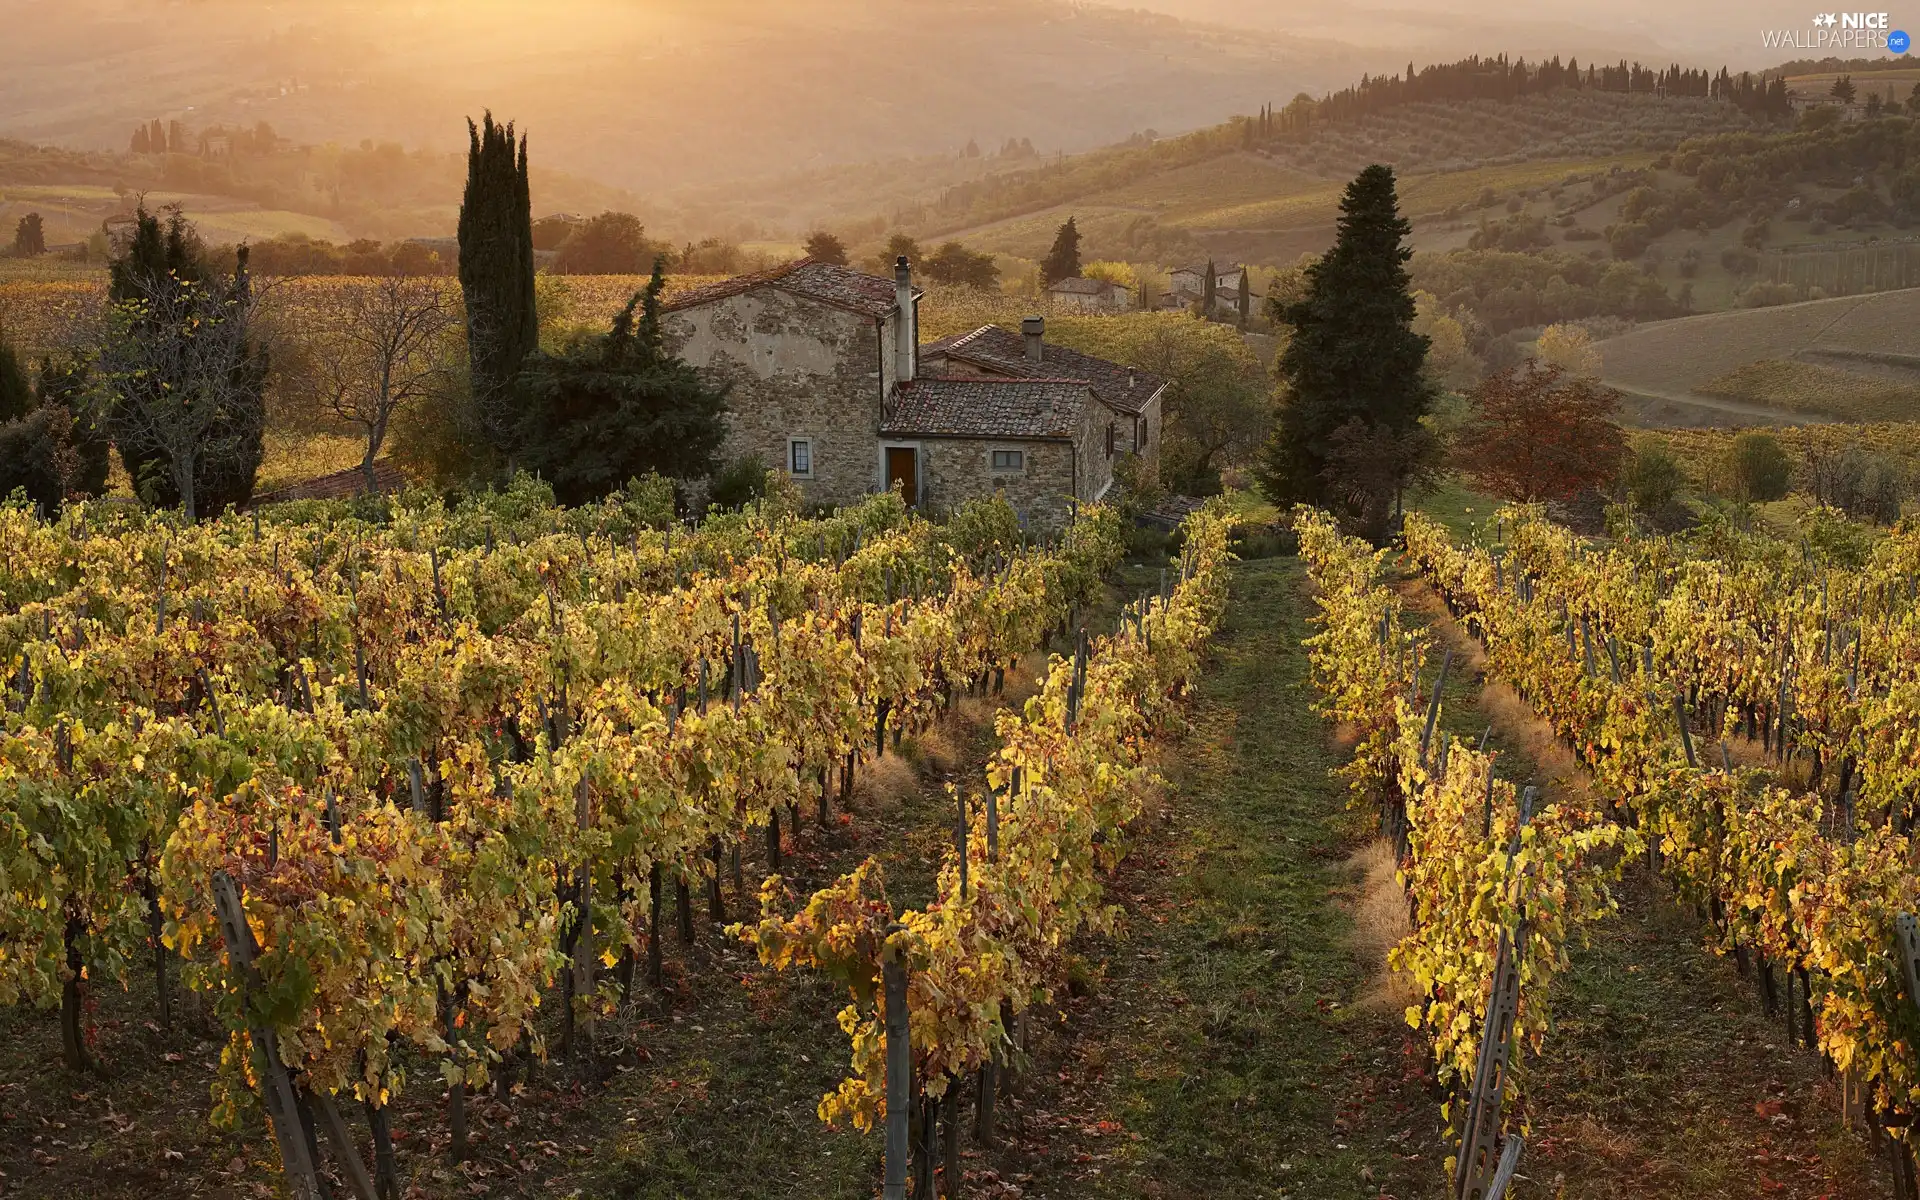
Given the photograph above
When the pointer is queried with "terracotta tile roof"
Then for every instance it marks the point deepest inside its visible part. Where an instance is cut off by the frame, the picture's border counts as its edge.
(842, 287)
(1004, 352)
(987, 408)
(340, 485)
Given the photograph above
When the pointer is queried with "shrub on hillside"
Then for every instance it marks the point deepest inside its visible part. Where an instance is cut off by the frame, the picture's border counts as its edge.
(1759, 467)
(1765, 295)
(1652, 477)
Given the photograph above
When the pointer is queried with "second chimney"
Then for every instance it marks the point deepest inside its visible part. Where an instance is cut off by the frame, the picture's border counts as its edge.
(906, 347)
(1034, 329)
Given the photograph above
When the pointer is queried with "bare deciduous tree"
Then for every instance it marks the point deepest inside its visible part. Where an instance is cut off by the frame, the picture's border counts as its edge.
(384, 347)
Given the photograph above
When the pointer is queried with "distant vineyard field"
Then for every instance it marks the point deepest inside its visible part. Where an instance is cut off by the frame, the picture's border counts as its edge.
(41, 315)
(1812, 387)
(1681, 356)
(72, 212)
(1703, 452)
(1247, 194)
(1846, 270)
(1221, 186)
(1423, 195)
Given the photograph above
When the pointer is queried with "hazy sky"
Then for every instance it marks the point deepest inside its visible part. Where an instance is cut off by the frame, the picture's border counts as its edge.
(1693, 32)
(654, 94)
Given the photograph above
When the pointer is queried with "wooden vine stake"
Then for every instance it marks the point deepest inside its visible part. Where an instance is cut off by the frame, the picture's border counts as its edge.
(1906, 937)
(277, 1092)
(893, 979)
(1477, 1167)
(1478, 1174)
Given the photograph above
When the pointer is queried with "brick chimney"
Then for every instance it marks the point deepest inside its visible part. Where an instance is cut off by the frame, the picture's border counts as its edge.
(1034, 329)
(906, 347)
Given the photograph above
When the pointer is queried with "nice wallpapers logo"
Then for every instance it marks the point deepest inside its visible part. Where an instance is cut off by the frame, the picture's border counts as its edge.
(1840, 31)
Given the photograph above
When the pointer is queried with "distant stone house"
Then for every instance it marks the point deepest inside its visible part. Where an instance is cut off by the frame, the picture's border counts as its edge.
(1089, 296)
(828, 382)
(1187, 288)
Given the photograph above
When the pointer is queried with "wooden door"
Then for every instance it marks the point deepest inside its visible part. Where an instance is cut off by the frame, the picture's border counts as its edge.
(903, 468)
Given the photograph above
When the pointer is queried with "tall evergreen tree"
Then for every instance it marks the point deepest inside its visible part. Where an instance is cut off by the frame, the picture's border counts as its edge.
(496, 274)
(1353, 357)
(156, 136)
(16, 395)
(619, 407)
(30, 237)
(1063, 260)
(1209, 291)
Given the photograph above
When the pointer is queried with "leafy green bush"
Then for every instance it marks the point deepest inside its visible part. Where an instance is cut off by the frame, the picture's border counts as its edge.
(1759, 467)
(739, 483)
(1653, 476)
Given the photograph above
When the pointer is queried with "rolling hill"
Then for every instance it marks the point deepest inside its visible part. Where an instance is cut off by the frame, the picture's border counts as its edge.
(1214, 195)
(652, 96)
(1854, 357)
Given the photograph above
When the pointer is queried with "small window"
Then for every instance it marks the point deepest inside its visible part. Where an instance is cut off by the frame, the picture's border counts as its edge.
(1009, 460)
(800, 457)
(1110, 432)
(1142, 438)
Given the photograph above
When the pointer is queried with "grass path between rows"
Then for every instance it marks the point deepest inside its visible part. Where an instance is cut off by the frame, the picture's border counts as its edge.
(1662, 1076)
(1239, 1040)
(1234, 1044)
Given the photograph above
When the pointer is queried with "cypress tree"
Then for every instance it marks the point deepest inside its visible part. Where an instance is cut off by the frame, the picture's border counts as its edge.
(1353, 355)
(1063, 260)
(496, 274)
(1209, 291)
(30, 237)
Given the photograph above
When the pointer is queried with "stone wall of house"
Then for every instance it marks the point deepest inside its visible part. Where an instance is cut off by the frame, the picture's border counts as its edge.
(1150, 430)
(1095, 466)
(797, 368)
(955, 470)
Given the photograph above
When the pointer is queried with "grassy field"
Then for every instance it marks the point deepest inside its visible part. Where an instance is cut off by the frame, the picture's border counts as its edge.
(1813, 387)
(1238, 178)
(1681, 356)
(73, 212)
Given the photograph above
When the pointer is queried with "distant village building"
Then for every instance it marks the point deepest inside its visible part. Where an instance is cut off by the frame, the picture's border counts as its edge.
(828, 381)
(1187, 289)
(1089, 296)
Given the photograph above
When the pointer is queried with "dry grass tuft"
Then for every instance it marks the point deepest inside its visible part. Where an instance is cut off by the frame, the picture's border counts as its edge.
(884, 786)
(1379, 923)
(939, 750)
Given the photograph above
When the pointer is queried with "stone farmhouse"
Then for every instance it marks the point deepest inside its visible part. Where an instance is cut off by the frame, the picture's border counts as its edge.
(829, 380)
(1089, 296)
(1187, 287)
